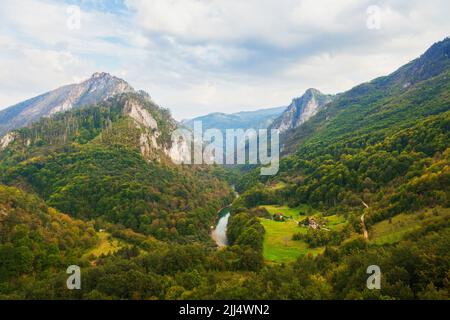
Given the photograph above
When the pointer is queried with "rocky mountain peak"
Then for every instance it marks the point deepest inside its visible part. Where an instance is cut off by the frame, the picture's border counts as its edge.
(312, 92)
(100, 78)
(98, 75)
(301, 109)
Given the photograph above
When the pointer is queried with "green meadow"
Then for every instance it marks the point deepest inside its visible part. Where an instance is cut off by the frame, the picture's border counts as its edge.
(106, 245)
(278, 244)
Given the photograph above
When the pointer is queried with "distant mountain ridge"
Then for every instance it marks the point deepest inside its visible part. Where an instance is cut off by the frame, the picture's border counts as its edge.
(259, 119)
(99, 87)
(283, 118)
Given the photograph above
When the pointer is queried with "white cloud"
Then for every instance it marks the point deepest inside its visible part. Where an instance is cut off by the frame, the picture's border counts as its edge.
(281, 22)
(199, 56)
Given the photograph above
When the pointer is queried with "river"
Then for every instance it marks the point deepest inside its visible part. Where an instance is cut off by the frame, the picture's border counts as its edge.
(219, 234)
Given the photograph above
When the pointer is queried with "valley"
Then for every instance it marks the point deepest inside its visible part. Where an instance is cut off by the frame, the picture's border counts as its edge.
(94, 181)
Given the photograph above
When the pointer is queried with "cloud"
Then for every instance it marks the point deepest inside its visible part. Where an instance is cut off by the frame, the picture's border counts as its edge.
(200, 56)
(284, 23)
(39, 51)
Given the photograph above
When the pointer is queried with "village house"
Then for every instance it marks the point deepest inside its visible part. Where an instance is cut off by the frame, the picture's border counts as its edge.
(279, 217)
(311, 222)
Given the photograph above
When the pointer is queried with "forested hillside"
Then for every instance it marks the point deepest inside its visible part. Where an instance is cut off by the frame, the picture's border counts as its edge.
(374, 162)
(36, 239)
(100, 162)
(376, 143)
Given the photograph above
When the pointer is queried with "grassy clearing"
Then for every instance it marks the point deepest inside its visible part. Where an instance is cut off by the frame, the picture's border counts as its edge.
(296, 213)
(388, 232)
(278, 186)
(336, 222)
(106, 245)
(278, 244)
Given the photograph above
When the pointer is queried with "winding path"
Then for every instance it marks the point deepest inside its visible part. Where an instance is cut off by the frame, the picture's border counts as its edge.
(363, 223)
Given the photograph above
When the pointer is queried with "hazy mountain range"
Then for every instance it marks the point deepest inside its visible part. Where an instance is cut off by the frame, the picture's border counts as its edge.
(283, 118)
(102, 86)
(258, 119)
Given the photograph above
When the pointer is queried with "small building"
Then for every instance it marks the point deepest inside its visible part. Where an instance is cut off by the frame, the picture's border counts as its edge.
(310, 222)
(279, 217)
(313, 224)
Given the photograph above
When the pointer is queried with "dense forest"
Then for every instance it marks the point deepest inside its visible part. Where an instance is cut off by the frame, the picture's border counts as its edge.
(150, 269)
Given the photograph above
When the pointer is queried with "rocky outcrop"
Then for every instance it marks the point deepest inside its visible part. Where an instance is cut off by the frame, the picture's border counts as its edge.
(6, 140)
(140, 115)
(301, 110)
(138, 110)
(148, 127)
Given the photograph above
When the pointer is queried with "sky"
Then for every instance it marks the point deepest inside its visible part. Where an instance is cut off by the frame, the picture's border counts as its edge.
(201, 56)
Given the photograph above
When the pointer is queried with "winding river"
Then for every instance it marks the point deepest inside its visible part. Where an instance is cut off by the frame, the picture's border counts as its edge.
(219, 234)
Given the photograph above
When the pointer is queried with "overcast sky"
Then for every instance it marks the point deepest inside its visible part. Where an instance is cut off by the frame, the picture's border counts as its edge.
(200, 56)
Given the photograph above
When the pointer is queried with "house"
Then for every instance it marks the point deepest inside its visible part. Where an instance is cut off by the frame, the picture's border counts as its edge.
(279, 217)
(311, 222)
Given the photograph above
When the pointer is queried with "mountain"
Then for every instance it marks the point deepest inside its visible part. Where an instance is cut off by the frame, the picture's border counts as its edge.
(283, 118)
(97, 88)
(301, 110)
(385, 142)
(113, 161)
(259, 119)
(148, 127)
(391, 102)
